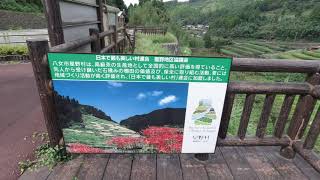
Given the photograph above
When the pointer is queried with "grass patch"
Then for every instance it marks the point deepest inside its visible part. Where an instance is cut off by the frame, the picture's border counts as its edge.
(258, 47)
(312, 53)
(230, 53)
(300, 55)
(240, 51)
(13, 50)
(151, 44)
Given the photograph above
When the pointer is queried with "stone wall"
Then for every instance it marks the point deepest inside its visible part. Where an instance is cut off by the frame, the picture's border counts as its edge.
(172, 47)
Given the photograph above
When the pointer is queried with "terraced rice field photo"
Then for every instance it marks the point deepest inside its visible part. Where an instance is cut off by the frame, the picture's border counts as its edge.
(271, 50)
(95, 132)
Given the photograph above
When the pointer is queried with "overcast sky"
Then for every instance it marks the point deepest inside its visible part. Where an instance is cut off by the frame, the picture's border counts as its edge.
(137, 1)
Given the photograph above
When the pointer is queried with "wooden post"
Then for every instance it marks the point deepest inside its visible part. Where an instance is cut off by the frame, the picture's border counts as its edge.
(264, 118)
(115, 39)
(95, 45)
(38, 50)
(301, 117)
(226, 114)
(283, 116)
(245, 117)
(54, 21)
(313, 133)
(101, 19)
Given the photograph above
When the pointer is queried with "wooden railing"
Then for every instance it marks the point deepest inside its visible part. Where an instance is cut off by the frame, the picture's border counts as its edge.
(118, 41)
(149, 30)
(289, 138)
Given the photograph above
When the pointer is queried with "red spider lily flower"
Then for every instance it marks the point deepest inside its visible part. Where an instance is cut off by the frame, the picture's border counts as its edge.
(164, 139)
(82, 148)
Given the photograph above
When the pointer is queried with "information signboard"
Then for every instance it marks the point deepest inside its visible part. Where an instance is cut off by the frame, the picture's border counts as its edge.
(139, 104)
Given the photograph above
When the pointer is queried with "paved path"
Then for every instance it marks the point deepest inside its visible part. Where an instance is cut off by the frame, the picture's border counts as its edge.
(20, 117)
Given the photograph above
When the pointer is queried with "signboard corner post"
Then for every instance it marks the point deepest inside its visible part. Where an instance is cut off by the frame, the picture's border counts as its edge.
(38, 50)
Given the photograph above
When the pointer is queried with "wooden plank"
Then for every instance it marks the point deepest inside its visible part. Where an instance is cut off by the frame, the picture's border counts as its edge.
(238, 165)
(244, 121)
(54, 20)
(93, 167)
(68, 170)
(283, 116)
(285, 167)
(306, 168)
(168, 167)
(253, 141)
(38, 174)
(192, 169)
(144, 167)
(301, 116)
(309, 155)
(73, 12)
(227, 109)
(313, 133)
(275, 65)
(119, 167)
(244, 87)
(217, 167)
(259, 163)
(303, 110)
(266, 111)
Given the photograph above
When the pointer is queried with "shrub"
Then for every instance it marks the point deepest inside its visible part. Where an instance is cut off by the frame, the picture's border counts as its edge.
(216, 42)
(21, 6)
(13, 50)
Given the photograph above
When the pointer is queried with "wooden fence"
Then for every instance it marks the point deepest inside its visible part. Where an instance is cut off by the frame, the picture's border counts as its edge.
(149, 30)
(290, 139)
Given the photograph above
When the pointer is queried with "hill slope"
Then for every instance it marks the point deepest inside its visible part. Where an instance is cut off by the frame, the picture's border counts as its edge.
(265, 19)
(161, 117)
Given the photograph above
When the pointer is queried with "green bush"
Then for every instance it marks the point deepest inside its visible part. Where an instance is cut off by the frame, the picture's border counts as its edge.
(13, 50)
(185, 51)
(145, 45)
(34, 6)
(216, 42)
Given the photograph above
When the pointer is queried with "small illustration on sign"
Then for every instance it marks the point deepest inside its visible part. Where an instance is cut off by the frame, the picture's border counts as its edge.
(204, 113)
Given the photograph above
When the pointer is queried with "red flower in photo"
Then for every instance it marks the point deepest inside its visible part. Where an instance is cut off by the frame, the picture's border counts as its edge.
(126, 142)
(164, 139)
(82, 148)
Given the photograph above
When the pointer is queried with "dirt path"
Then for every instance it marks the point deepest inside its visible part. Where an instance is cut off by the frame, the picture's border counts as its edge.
(20, 117)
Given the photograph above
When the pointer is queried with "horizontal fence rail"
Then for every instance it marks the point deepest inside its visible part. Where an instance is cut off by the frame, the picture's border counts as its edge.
(275, 65)
(118, 41)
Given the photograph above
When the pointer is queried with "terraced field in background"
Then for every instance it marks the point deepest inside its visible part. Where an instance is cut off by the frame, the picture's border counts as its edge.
(95, 132)
(270, 50)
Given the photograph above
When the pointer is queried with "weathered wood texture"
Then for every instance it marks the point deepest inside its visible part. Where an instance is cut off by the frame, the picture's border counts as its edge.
(37, 53)
(245, 117)
(303, 111)
(53, 15)
(313, 133)
(283, 116)
(269, 88)
(310, 156)
(275, 65)
(227, 163)
(227, 109)
(266, 110)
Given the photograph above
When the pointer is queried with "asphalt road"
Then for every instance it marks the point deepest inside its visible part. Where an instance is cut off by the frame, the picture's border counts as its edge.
(20, 117)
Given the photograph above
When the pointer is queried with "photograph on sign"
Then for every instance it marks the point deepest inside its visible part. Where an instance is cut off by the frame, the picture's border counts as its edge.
(139, 104)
